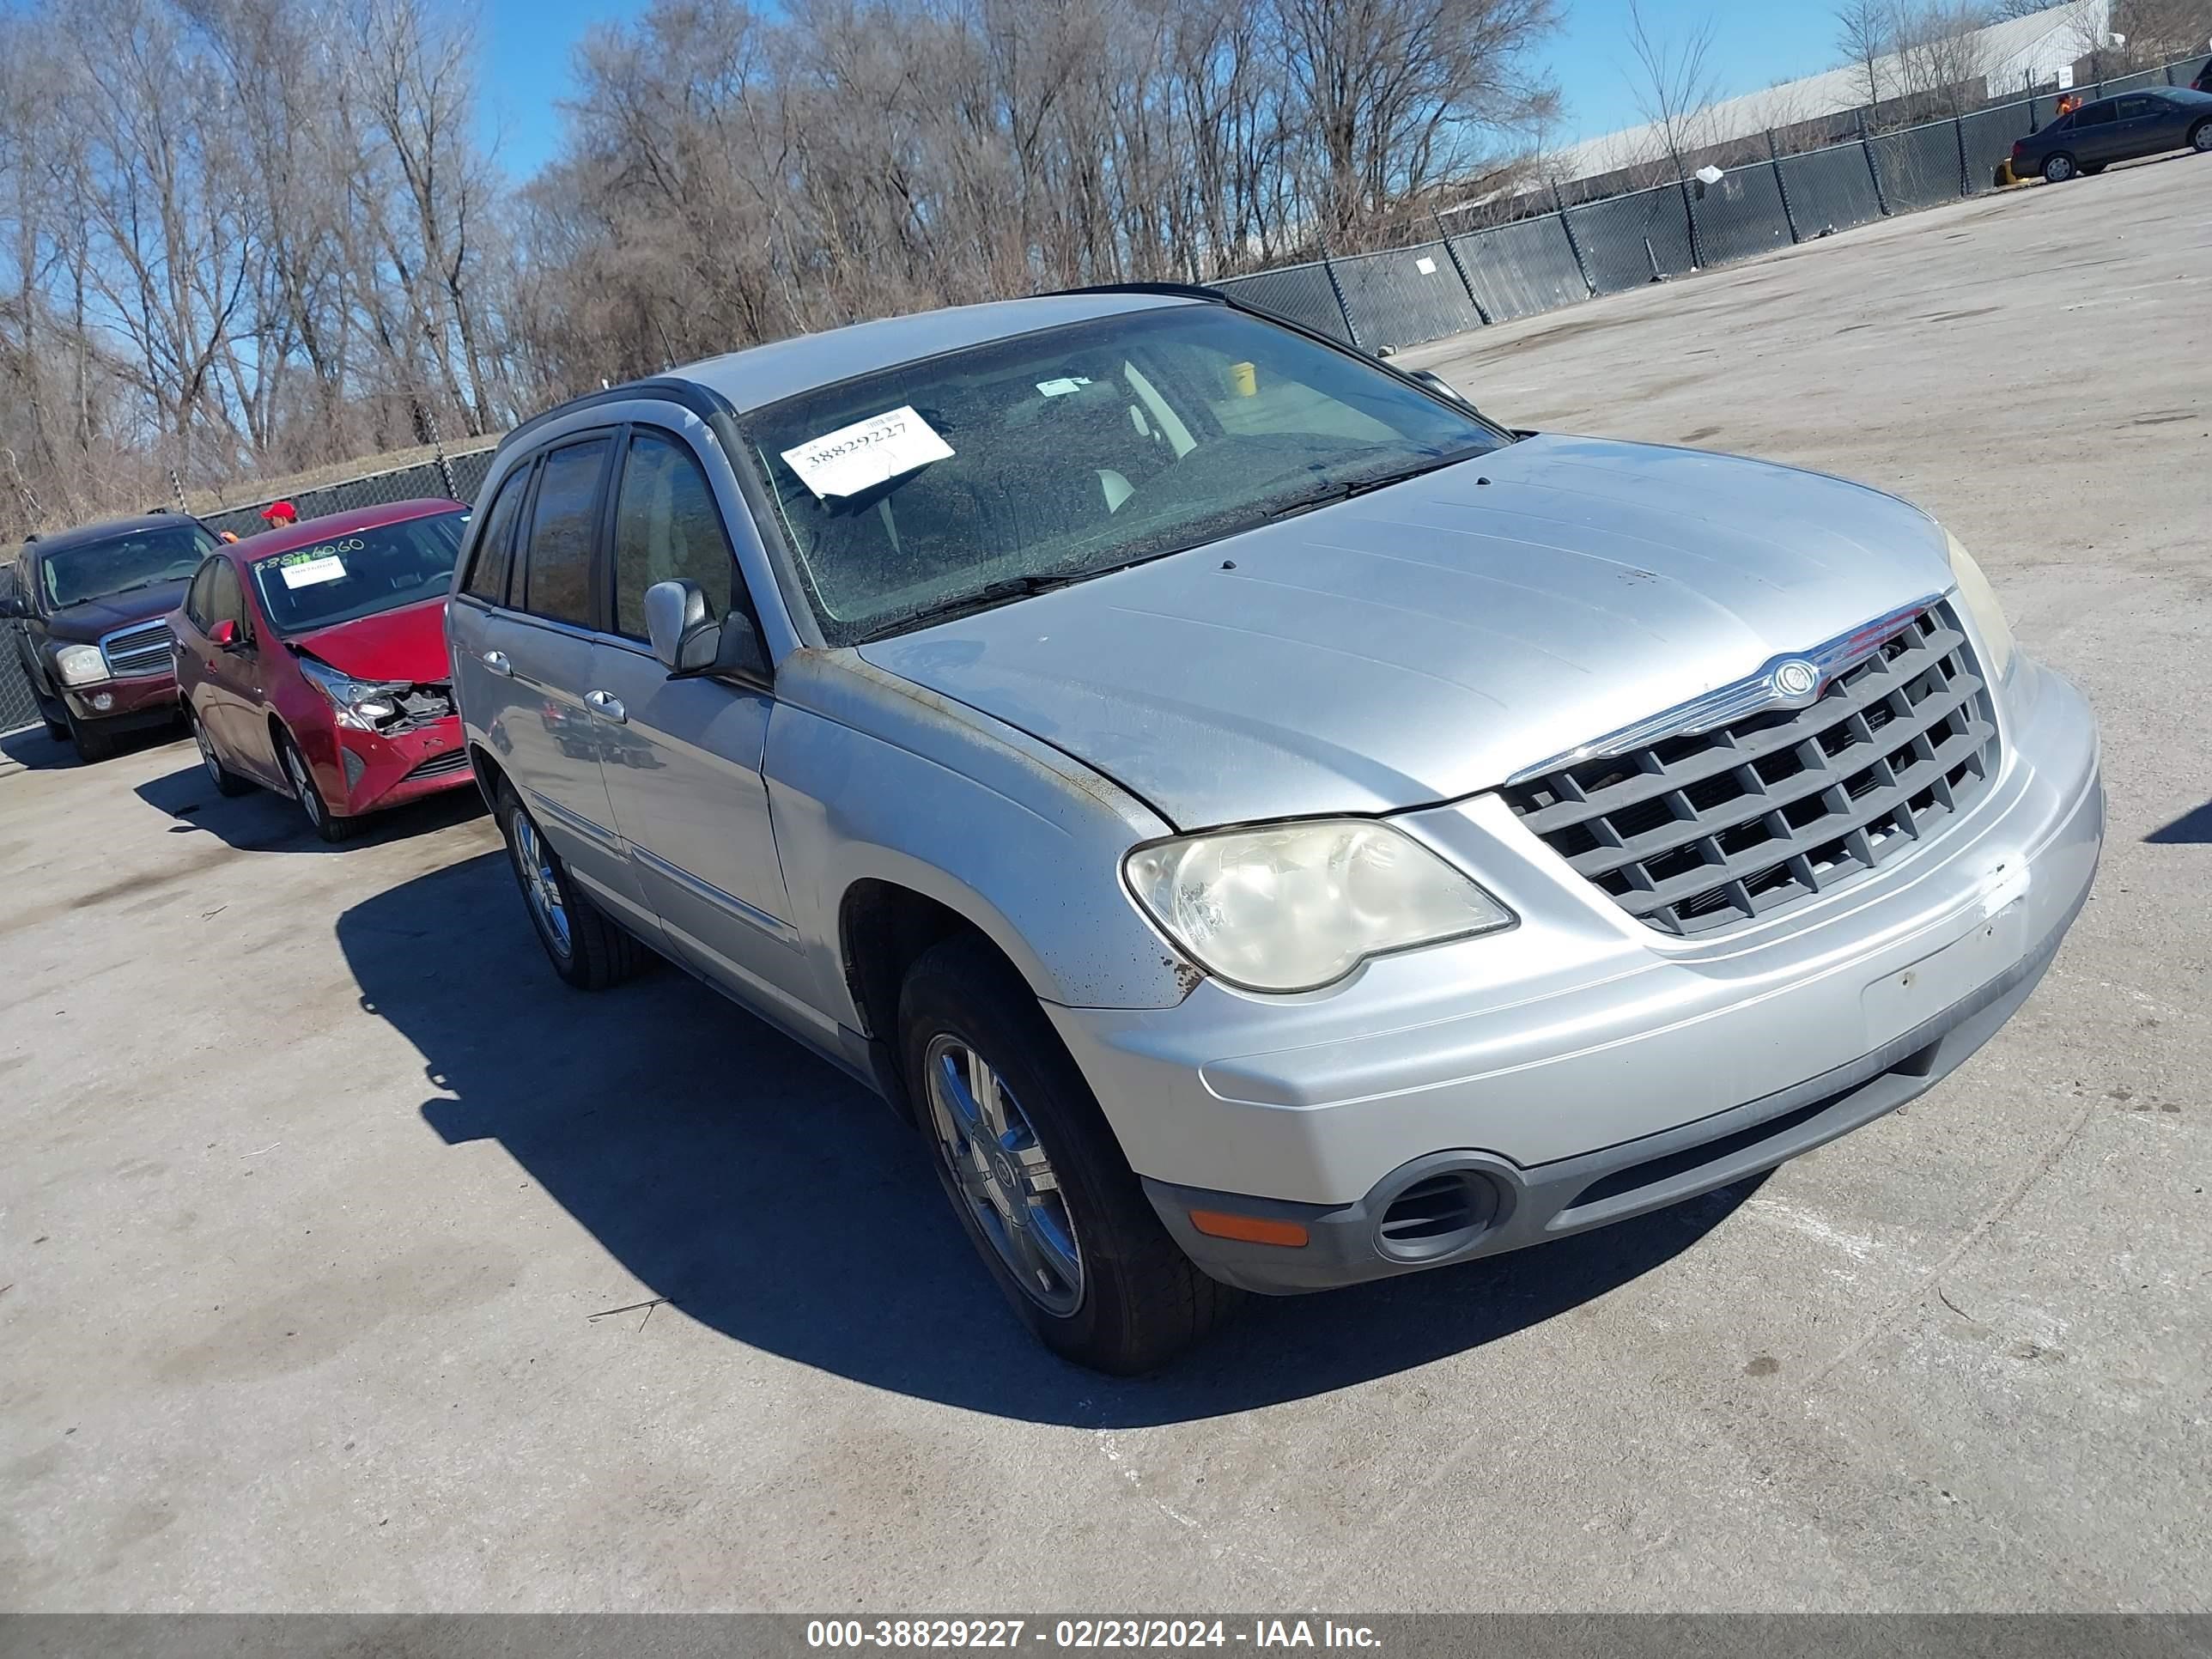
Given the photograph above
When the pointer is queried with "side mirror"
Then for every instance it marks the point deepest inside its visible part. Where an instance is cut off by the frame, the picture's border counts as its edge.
(689, 641)
(11, 603)
(224, 636)
(1441, 386)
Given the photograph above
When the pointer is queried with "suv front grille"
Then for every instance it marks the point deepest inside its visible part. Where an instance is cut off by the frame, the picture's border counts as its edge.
(1692, 833)
(140, 649)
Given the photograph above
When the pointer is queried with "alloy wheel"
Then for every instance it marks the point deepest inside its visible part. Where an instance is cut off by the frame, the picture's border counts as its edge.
(207, 751)
(541, 884)
(303, 785)
(1001, 1172)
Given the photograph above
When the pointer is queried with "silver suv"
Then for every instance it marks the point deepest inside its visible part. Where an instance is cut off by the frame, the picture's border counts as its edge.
(1267, 826)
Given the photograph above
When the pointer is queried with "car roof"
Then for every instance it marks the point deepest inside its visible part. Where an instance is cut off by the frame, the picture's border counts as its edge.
(764, 374)
(85, 534)
(308, 532)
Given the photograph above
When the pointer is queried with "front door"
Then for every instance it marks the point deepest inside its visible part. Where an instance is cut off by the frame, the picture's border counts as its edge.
(231, 695)
(683, 757)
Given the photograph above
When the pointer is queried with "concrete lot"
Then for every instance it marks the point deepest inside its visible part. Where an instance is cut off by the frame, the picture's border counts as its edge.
(317, 1190)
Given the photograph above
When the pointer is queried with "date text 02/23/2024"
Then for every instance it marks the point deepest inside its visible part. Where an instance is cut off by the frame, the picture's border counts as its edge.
(1291, 1634)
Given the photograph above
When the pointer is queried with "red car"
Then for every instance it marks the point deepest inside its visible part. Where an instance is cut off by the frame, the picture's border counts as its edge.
(311, 660)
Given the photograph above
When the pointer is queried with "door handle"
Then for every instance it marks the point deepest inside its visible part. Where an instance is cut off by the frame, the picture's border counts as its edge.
(497, 662)
(607, 706)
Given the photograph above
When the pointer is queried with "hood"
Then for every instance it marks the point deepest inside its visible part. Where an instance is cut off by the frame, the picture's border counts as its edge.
(84, 622)
(405, 644)
(1431, 640)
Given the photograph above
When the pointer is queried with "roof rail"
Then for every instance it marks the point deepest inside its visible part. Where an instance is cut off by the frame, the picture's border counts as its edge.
(1176, 291)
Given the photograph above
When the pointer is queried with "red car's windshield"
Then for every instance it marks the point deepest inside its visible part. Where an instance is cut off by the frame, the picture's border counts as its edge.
(360, 573)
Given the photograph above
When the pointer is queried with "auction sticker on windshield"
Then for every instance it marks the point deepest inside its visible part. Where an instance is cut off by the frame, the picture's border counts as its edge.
(317, 564)
(866, 453)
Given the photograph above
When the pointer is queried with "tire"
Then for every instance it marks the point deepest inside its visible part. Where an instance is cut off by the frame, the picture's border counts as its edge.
(2200, 138)
(226, 782)
(2058, 168)
(587, 948)
(92, 745)
(332, 827)
(1098, 1281)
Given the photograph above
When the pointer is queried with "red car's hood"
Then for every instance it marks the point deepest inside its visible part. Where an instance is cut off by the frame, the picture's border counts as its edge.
(407, 644)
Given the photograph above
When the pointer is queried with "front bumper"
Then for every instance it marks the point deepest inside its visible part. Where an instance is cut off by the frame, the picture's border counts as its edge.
(1584, 1068)
(370, 771)
(143, 700)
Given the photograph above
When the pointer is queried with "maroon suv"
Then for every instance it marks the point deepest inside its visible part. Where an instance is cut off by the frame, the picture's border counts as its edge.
(93, 640)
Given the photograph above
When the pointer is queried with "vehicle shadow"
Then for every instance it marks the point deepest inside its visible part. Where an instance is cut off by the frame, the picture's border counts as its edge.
(759, 1192)
(32, 749)
(261, 821)
(2193, 828)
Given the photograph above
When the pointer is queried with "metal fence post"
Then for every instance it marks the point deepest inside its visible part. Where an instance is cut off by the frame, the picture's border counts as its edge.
(1782, 188)
(1959, 132)
(438, 452)
(1690, 218)
(1874, 172)
(1351, 333)
(1574, 243)
(1465, 281)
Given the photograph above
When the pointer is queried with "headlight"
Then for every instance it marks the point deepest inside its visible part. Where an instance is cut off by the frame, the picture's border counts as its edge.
(80, 665)
(1981, 602)
(360, 704)
(1294, 907)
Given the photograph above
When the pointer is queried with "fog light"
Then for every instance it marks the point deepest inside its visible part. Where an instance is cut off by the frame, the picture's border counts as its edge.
(103, 701)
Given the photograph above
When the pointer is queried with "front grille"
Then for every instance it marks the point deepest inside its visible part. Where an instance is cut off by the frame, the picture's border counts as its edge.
(1693, 833)
(453, 760)
(142, 649)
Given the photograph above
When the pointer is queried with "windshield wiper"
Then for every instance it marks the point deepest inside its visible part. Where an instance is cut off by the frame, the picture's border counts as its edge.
(991, 593)
(134, 587)
(1343, 490)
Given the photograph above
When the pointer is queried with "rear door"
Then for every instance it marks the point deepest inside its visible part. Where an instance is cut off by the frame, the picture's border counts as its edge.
(683, 757)
(2097, 133)
(532, 666)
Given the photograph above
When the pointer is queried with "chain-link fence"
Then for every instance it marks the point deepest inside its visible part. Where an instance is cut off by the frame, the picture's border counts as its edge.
(1611, 244)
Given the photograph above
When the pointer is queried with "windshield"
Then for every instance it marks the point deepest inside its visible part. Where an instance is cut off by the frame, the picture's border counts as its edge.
(360, 573)
(912, 491)
(122, 564)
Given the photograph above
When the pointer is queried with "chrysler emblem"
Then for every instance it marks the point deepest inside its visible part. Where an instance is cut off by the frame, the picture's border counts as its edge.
(1795, 681)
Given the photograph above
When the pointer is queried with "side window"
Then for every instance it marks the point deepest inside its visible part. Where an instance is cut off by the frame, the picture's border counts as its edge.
(196, 595)
(487, 578)
(2094, 115)
(224, 601)
(667, 526)
(563, 527)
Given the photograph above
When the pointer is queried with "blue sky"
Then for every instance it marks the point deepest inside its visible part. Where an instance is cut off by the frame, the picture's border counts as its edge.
(528, 42)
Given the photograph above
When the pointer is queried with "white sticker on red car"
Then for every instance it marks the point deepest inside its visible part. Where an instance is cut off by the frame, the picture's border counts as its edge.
(308, 572)
(867, 452)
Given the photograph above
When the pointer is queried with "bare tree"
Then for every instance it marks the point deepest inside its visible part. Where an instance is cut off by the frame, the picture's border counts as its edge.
(1674, 85)
(1864, 35)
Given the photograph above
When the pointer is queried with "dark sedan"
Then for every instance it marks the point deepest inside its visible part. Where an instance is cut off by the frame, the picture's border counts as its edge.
(2118, 129)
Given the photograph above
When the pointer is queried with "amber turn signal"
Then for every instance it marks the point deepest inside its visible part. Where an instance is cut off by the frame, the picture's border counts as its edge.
(1252, 1228)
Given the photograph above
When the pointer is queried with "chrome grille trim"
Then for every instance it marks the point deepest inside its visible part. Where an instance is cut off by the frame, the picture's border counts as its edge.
(1740, 698)
(141, 648)
(1702, 826)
